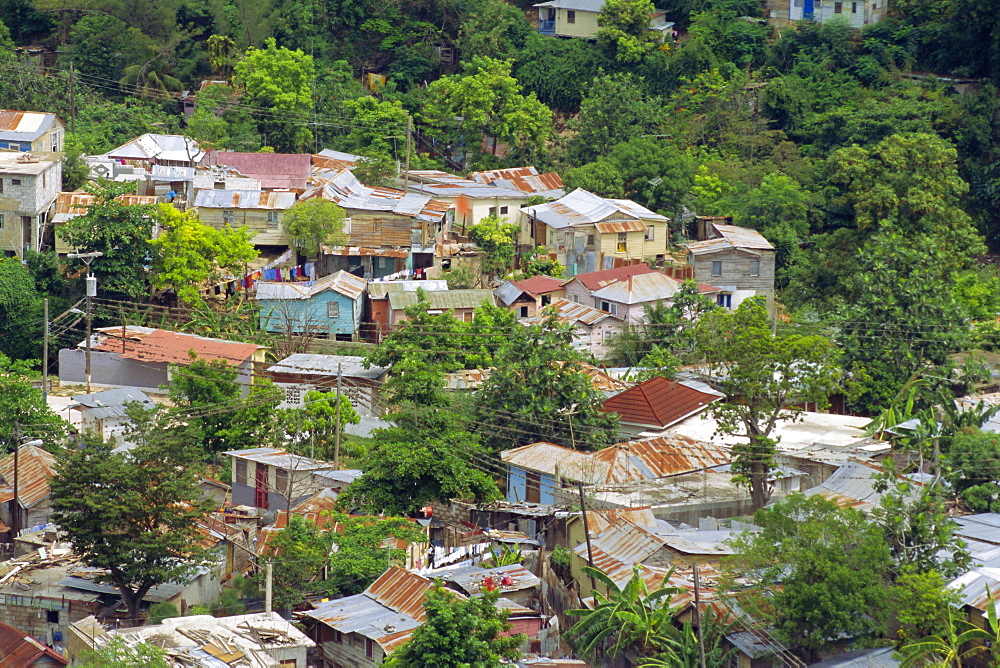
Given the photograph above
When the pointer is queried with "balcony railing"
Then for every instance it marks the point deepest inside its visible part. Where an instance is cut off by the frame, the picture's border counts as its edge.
(547, 27)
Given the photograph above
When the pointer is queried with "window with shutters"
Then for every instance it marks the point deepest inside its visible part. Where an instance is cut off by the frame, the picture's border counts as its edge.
(755, 267)
(280, 481)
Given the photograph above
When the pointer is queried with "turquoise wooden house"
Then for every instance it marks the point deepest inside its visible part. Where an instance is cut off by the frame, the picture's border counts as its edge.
(330, 307)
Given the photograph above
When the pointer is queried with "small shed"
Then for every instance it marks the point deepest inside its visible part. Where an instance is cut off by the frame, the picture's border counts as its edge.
(303, 372)
(329, 308)
(104, 412)
(35, 467)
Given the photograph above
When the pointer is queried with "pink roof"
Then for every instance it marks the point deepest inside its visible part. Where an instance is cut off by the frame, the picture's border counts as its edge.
(275, 170)
(596, 280)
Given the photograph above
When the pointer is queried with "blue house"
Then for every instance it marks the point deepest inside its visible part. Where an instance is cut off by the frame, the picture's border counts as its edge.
(330, 307)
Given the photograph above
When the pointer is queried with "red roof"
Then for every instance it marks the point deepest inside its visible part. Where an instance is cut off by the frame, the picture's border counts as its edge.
(539, 285)
(275, 170)
(160, 345)
(658, 402)
(17, 648)
(596, 280)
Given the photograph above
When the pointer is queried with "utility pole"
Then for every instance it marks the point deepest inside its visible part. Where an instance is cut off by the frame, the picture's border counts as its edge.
(406, 172)
(72, 98)
(697, 617)
(268, 599)
(336, 433)
(15, 524)
(586, 532)
(91, 293)
(45, 351)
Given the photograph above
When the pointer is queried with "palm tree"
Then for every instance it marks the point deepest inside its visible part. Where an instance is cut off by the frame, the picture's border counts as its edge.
(687, 655)
(150, 74)
(630, 618)
(946, 650)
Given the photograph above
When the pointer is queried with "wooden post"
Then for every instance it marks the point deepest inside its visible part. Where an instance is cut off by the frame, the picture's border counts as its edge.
(15, 524)
(45, 351)
(268, 588)
(698, 619)
(336, 438)
(586, 532)
(406, 172)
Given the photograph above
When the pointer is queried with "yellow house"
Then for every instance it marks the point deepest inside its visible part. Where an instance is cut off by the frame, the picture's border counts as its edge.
(260, 211)
(591, 233)
(578, 18)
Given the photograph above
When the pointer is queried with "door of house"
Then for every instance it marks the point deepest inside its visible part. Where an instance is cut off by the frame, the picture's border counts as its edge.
(260, 489)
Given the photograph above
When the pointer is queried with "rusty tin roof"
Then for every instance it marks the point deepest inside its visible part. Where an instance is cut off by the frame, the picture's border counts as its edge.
(34, 469)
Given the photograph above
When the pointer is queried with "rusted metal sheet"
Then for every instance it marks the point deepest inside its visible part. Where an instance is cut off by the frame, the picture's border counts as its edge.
(571, 312)
(640, 289)
(595, 280)
(79, 203)
(657, 457)
(742, 237)
(158, 345)
(34, 469)
(621, 226)
(401, 591)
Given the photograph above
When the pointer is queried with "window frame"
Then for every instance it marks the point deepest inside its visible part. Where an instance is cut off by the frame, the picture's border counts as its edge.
(651, 233)
(369, 648)
(570, 16)
(237, 478)
(333, 309)
(229, 216)
(504, 210)
(622, 244)
(716, 267)
(280, 480)
(755, 267)
(838, 7)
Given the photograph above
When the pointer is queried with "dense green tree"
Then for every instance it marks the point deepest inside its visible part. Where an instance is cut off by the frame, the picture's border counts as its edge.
(101, 45)
(558, 71)
(624, 29)
(122, 232)
(615, 110)
(490, 103)
(459, 633)
(133, 514)
(211, 393)
(23, 408)
(314, 223)
(279, 80)
(189, 255)
(319, 420)
(538, 391)
(117, 652)
(498, 239)
(376, 123)
(765, 376)
(601, 178)
(920, 603)
(335, 555)
(492, 28)
(20, 314)
(816, 573)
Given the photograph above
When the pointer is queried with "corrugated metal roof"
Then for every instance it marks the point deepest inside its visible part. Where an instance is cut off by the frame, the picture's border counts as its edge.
(742, 237)
(244, 199)
(581, 207)
(641, 289)
(159, 345)
(599, 520)
(280, 459)
(111, 403)
(18, 649)
(275, 170)
(657, 457)
(171, 173)
(644, 459)
(34, 469)
(378, 290)
(25, 126)
(471, 578)
(445, 299)
(576, 5)
(343, 188)
(621, 226)
(595, 280)
(442, 184)
(571, 312)
(402, 591)
(363, 251)
(623, 542)
(160, 147)
(77, 203)
(881, 657)
(525, 179)
(658, 402)
(508, 293)
(853, 484)
(540, 285)
(326, 365)
(342, 282)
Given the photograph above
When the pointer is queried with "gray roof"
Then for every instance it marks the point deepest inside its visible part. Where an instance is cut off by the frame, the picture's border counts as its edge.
(576, 5)
(508, 292)
(111, 403)
(269, 200)
(161, 147)
(378, 290)
(326, 365)
(448, 299)
(341, 282)
(854, 484)
(280, 459)
(344, 475)
(640, 289)
(24, 126)
(436, 183)
(340, 155)
(581, 207)
(344, 189)
(880, 657)
(470, 578)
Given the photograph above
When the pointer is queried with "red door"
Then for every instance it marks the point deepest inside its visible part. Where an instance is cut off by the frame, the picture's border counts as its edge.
(260, 490)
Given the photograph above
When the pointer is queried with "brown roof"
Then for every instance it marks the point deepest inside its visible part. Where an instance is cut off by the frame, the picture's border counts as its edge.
(401, 591)
(18, 649)
(621, 226)
(525, 179)
(658, 402)
(539, 285)
(160, 345)
(76, 202)
(275, 170)
(596, 280)
(34, 468)
(657, 457)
